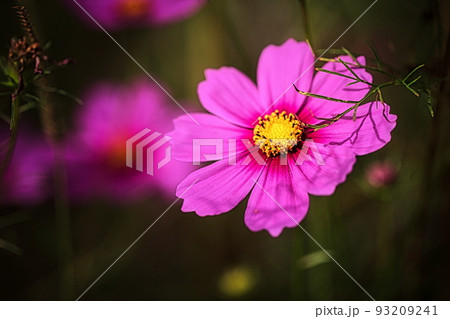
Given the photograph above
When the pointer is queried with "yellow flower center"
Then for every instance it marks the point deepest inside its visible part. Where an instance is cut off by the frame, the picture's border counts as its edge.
(133, 9)
(278, 133)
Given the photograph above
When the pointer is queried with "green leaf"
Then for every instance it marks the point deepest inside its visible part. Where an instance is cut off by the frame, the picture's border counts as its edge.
(47, 46)
(335, 73)
(64, 93)
(351, 83)
(412, 72)
(376, 55)
(324, 97)
(27, 106)
(352, 72)
(367, 67)
(14, 109)
(352, 108)
(3, 65)
(381, 96)
(411, 89)
(32, 97)
(313, 259)
(327, 59)
(332, 51)
(414, 81)
(429, 105)
(5, 117)
(8, 81)
(350, 55)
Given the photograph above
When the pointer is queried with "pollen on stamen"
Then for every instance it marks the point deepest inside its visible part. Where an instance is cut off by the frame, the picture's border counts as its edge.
(278, 133)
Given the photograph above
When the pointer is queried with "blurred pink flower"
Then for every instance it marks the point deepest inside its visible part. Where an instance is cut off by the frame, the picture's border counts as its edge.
(236, 104)
(381, 174)
(96, 152)
(28, 178)
(116, 14)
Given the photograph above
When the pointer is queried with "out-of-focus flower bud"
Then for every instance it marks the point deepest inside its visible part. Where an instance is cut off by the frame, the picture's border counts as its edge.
(381, 174)
(237, 281)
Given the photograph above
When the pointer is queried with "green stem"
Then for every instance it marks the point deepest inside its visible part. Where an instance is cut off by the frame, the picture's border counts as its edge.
(305, 21)
(63, 226)
(323, 96)
(375, 89)
(383, 261)
(367, 67)
(298, 276)
(339, 116)
(228, 24)
(14, 126)
(62, 217)
(357, 78)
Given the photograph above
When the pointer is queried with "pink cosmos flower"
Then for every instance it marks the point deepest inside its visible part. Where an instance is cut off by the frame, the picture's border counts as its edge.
(263, 115)
(96, 152)
(115, 14)
(28, 178)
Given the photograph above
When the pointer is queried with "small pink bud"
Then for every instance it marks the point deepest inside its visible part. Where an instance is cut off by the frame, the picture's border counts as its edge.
(381, 174)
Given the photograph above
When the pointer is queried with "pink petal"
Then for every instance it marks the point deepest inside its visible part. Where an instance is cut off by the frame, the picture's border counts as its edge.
(113, 113)
(107, 14)
(370, 132)
(219, 187)
(320, 175)
(337, 87)
(212, 129)
(280, 67)
(277, 201)
(165, 11)
(229, 94)
(95, 151)
(102, 11)
(27, 181)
